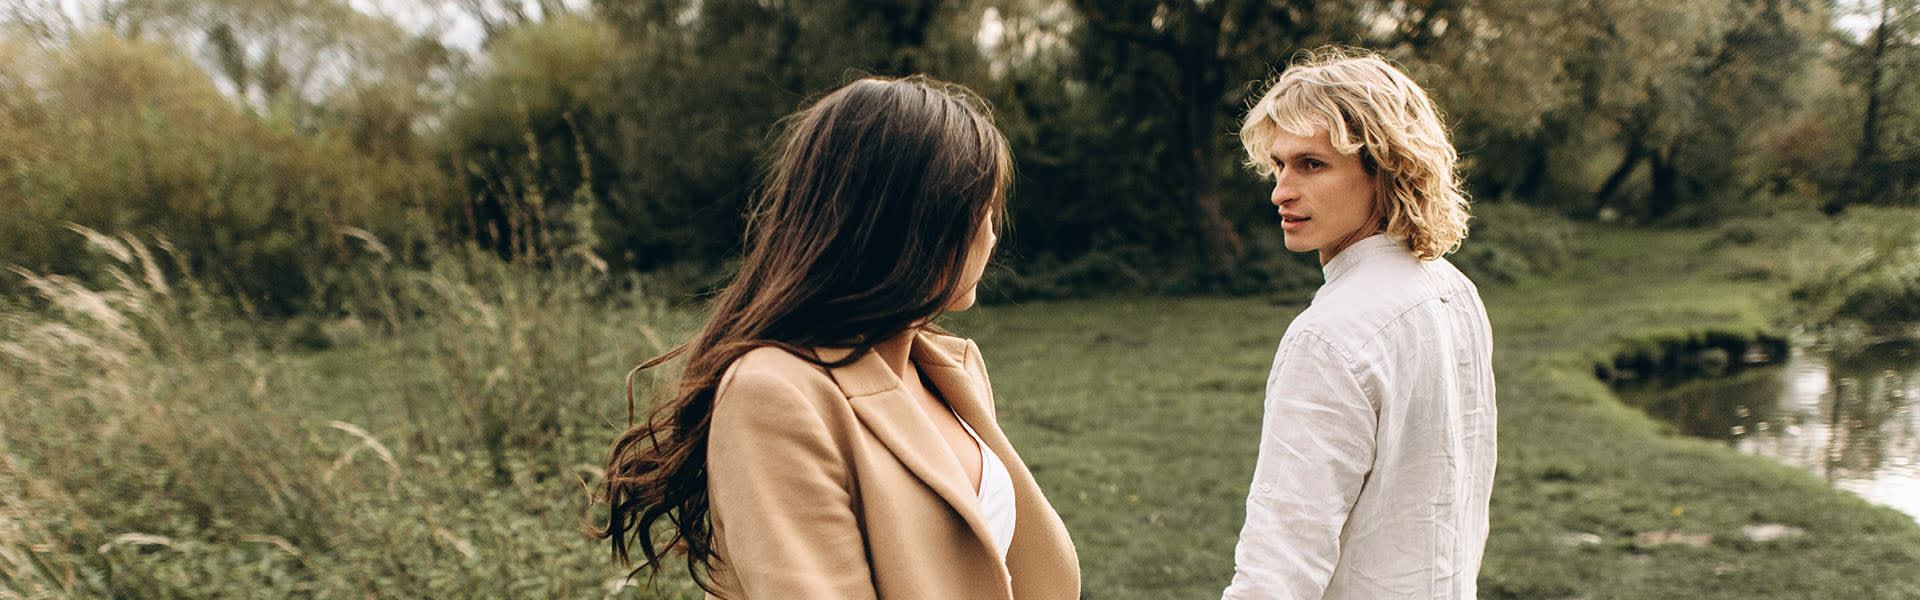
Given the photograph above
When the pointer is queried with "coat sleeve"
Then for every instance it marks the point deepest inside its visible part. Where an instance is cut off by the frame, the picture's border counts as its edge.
(781, 501)
(1316, 449)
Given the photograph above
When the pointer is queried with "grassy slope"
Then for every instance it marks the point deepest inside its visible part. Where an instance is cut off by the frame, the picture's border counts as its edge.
(1141, 416)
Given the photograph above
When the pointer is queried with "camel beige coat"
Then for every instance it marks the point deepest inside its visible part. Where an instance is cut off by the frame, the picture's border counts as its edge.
(832, 484)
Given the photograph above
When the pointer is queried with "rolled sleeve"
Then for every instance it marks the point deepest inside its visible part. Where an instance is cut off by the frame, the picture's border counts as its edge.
(780, 496)
(1316, 448)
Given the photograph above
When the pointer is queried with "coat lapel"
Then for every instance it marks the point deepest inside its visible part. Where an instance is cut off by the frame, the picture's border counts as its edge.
(884, 407)
(1037, 528)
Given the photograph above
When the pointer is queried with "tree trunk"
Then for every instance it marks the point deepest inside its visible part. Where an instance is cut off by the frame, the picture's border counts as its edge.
(1636, 151)
(1533, 177)
(1665, 195)
(1194, 91)
(1203, 77)
(1218, 241)
(1864, 184)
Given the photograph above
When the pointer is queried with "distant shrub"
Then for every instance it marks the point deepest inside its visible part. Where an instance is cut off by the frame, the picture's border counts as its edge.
(1739, 233)
(1272, 267)
(532, 137)
(119, 135)
(1050, 277)
(1508, 241)
(1881, 287)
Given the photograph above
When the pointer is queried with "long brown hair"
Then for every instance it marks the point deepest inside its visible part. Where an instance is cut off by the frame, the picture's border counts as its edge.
(872, 200)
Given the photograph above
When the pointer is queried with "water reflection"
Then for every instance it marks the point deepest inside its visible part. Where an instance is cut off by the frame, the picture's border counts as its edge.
(1844, 414)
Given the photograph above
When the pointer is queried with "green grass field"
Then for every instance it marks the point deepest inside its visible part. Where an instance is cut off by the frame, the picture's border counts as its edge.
(1140, 417)
(150, 450)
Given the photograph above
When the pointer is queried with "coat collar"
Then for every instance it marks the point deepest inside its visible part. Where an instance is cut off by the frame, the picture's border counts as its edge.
(883, 406)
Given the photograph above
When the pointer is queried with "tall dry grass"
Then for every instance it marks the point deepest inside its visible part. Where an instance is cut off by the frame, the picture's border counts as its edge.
(158, 442)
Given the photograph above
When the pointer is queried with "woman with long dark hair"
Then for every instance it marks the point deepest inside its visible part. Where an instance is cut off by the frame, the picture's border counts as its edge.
(825, 439)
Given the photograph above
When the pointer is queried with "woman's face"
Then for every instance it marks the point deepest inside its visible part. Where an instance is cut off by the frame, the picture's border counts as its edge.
(976, 264)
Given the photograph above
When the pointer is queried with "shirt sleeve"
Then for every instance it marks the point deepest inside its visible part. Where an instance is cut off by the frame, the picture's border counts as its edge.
(780, 494)
(1316, 448)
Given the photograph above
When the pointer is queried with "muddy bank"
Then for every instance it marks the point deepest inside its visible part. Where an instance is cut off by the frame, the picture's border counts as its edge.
(1673, 355)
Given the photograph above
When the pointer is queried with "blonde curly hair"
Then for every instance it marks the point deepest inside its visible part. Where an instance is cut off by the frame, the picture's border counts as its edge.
(1371, 108)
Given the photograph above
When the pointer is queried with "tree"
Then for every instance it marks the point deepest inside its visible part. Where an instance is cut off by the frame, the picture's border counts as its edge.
(1680, 97)
(700, 85)
(1699, 127)
(527, 137)
(1885, 64)
(1178, 68)
(288, 55)
(128, 136)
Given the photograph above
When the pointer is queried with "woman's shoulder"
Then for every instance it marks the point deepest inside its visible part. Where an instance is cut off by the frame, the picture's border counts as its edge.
(773, 368)
(960, 349)
(773, 358)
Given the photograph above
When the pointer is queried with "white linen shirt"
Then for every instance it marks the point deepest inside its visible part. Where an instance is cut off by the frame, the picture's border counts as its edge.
(1377, 446)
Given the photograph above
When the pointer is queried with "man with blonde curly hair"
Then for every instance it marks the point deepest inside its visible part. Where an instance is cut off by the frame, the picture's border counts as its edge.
(1377, 445)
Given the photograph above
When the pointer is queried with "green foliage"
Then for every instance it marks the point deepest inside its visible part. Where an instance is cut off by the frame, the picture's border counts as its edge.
(1509, 241)
(1166, 79)
(528, 136)
(1676, 353)
(1071, 205)
(1877, 129)
(120, 135)
(1647, 111)
(695, 92)
(1880, 288)
(158, 444)
(651, 115)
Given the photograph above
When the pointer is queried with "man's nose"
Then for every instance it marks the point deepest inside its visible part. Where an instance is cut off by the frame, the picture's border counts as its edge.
(1283, 190)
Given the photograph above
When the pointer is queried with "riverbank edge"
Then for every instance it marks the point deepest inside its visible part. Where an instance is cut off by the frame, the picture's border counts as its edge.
(1688, 353)
(1619, 505)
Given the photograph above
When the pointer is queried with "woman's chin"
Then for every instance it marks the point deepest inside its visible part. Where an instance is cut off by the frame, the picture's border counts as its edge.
(964, 301)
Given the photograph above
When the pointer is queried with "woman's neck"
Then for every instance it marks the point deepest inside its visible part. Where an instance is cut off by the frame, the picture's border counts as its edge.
(897, 352)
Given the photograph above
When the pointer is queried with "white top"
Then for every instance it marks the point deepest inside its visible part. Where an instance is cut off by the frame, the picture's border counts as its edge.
(995, 494)
(1377, 447)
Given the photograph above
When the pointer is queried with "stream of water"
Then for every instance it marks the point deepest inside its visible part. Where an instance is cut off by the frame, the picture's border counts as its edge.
(1845, 414)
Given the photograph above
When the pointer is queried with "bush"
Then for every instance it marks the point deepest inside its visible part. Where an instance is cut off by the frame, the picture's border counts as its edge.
(1272, 267)
(1880, 289)
(117, 135)
(1509, 241)
(529, 136)
(156, 443)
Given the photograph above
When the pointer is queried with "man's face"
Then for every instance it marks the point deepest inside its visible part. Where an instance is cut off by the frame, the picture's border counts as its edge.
(1326, 199)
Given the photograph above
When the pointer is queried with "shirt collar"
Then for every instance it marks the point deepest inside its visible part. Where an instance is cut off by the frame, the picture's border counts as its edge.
(1350, 258)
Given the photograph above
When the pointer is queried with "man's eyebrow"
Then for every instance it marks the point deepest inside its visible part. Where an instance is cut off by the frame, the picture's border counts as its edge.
(1297, 155)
